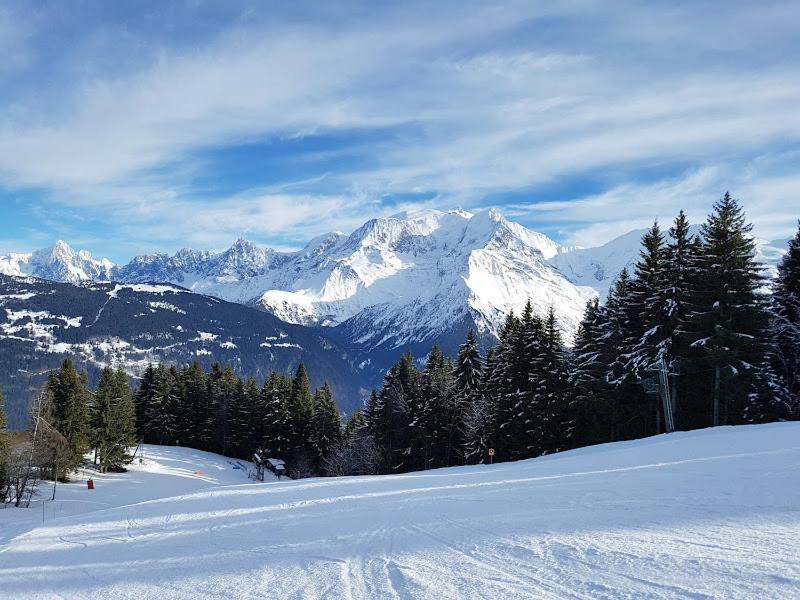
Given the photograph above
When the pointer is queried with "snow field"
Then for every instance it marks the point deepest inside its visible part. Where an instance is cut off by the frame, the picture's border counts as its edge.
(704, 514)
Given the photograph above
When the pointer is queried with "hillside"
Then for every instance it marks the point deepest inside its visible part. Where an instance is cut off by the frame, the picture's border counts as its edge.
(709, 513)
(100, 324)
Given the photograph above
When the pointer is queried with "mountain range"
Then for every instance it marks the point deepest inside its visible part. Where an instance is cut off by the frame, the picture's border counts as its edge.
(396, 284)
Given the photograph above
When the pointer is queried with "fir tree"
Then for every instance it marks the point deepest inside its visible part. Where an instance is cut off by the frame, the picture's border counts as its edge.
(276, 417)
(786, 326)
(142, 399)
(728, 319)
(325, 426)
(113, 420)
(300, 409)
(4, 450)
(552, 421)
(69, 416)
(468, 376)
(591, 393)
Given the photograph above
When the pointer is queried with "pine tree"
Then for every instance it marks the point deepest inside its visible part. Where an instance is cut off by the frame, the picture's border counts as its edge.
(786, 326)
(198, 420)
(468, 378)
(356, 422)
(325, 427)
(480, 416)
(590, 391)
(142, 399)
(4, 450)
(239, 418)
(68, 391)
(552, 420)
(276, 418)
(113, 420)
(504, 379)
(300, 409)
(437, 395)
(728, 320)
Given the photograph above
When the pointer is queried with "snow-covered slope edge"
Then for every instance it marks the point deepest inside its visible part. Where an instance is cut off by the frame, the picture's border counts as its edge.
(709, 513)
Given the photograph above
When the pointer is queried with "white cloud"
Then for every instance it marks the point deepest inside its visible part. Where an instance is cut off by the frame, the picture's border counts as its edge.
(483, 99)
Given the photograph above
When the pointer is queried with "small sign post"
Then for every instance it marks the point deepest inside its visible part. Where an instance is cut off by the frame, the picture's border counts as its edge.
(491, 455)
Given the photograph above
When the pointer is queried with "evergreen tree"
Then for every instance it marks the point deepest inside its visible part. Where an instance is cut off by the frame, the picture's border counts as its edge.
(552, 422)
(480, 416)
(437, 406)
(728, 320)
(468, 376)
(198, 420)
(590, 391)
(275, 421)
(68, 392)
(504, 379)
(113, 420)
(325, 426)
(300, 409)
(786, 326)
(142, 400)
(4, 450)
(240, 417)
(356, 422)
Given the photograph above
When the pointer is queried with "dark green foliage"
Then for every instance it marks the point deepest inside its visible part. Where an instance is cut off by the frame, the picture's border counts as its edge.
(113, 420)
(786, 327)
(67, 391)
(4, 449)
(325, 427)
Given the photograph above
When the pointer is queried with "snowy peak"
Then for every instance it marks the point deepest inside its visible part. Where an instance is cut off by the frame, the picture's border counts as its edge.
(59, 262)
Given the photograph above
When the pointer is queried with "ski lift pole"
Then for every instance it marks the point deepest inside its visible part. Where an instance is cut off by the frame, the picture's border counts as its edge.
(663, 380)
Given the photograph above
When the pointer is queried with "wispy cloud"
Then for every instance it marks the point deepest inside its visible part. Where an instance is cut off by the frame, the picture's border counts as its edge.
(462, 103)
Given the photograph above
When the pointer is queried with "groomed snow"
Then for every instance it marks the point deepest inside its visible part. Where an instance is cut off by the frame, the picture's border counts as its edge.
(710, 513)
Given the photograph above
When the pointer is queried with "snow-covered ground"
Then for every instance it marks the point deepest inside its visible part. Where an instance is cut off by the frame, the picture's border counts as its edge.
(713, 513)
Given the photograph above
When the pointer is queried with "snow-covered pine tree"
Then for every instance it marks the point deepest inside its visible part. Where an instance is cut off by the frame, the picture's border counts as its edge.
(479, 418)
(728, 321)
(275, 420)
(468, 376)
(591, 397)
(553, 422)
(436, 402)
(619, 327)
(507, 425)
(786, 325)
(649, 333)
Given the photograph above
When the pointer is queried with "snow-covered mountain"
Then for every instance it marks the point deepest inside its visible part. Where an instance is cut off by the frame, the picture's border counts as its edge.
(394, 281)
(59, 262)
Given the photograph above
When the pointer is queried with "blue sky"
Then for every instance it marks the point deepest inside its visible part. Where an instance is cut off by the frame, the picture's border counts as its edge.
(131, 127)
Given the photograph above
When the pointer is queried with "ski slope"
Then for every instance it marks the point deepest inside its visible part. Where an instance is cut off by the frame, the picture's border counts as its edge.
(704, 514)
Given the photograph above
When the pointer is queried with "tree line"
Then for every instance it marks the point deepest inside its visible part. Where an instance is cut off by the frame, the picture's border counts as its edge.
(696, 307)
